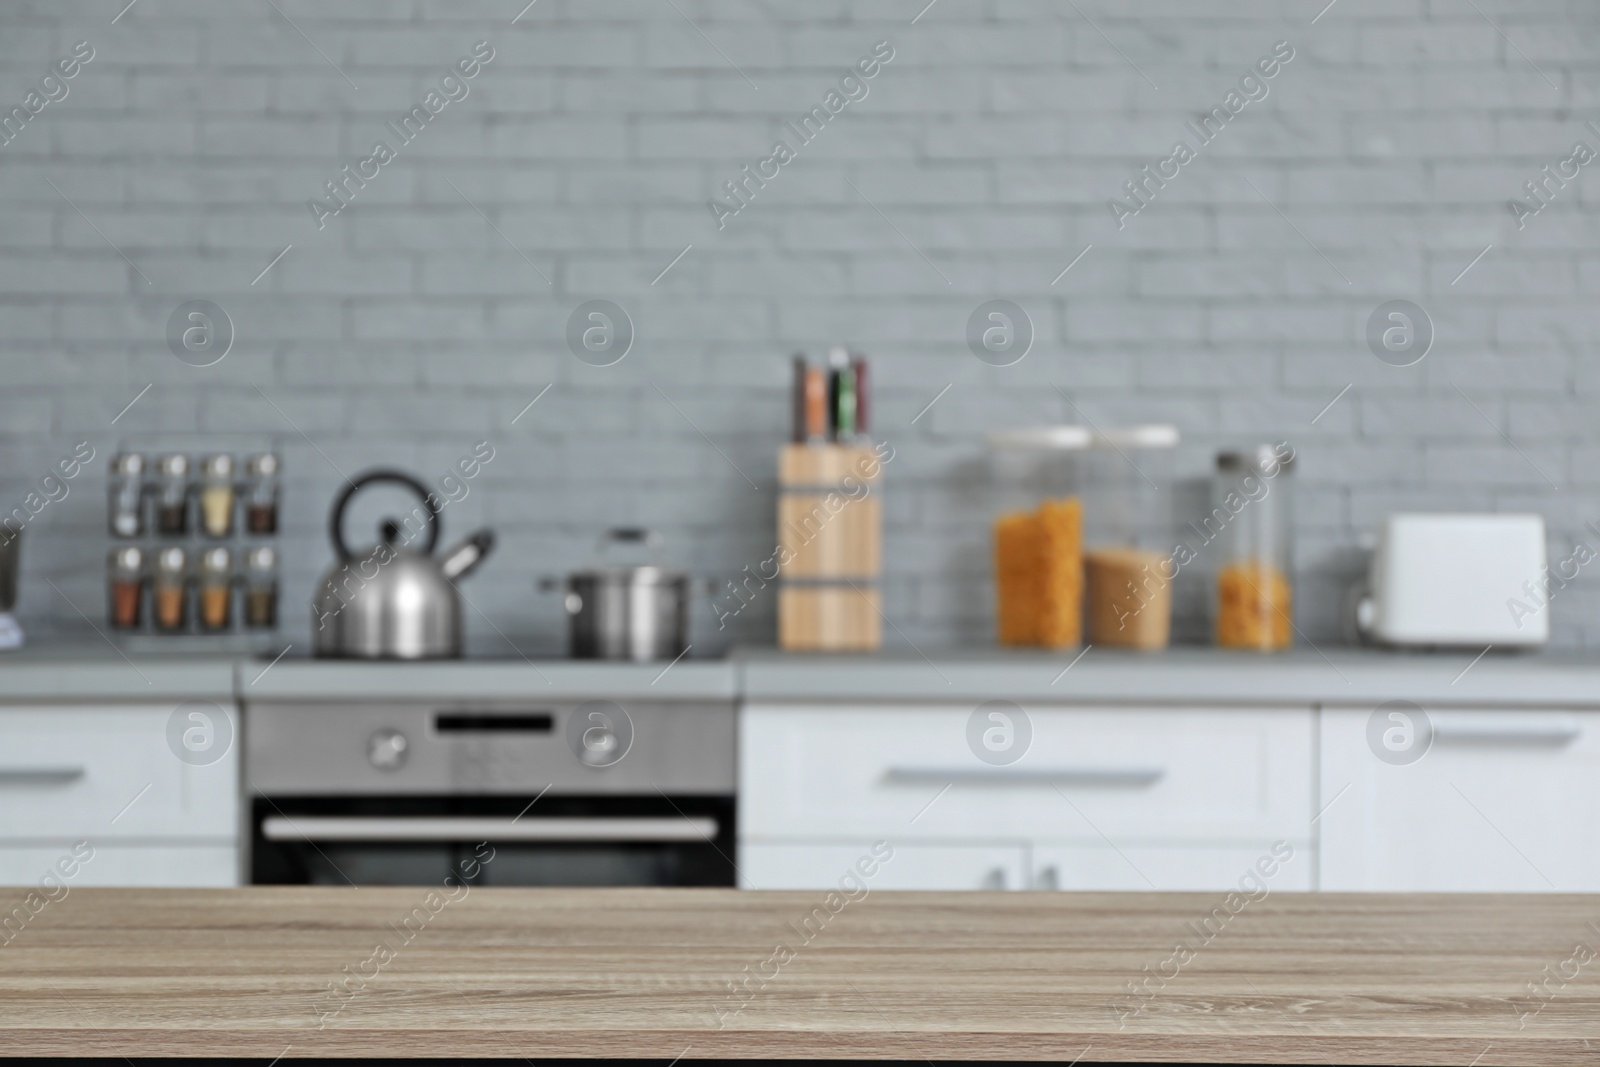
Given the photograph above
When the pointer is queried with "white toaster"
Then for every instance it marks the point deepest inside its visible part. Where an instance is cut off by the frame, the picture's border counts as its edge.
(1465, 580)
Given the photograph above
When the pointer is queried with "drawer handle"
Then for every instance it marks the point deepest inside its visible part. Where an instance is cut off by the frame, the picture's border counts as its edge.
(1554, 733)
(40, 775)
(452, 828)
(1103, 777)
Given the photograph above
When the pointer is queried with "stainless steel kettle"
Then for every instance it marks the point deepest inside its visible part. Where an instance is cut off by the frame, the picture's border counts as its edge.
(392, 601)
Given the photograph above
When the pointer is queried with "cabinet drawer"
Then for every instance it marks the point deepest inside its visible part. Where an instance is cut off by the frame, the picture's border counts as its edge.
(1272, 866)
(115, 865)
(106, 773)
(1129, 774)
(1502, 801)
(767, 865)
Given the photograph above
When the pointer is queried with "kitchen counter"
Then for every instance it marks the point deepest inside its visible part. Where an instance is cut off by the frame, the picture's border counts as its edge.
(1190, 676)
(503, 679)
(92, 671)
(514, 973)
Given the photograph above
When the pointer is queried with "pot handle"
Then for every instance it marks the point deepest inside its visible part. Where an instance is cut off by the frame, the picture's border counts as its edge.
(336, 516)
(629, 535)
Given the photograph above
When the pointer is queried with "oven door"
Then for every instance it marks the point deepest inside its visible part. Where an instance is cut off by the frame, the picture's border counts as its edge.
(534, 840)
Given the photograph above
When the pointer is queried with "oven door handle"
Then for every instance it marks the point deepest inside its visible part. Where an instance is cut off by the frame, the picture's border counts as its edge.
(473, 828)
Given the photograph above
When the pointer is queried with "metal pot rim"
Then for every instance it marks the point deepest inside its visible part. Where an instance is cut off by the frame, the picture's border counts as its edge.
(642, 575)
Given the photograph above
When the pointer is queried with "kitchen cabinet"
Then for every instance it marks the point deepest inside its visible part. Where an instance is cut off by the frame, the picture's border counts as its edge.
(1500, 801)
(911, 866)
(1190, 797)
(112, 775)
(26, 866)
(1272, 865)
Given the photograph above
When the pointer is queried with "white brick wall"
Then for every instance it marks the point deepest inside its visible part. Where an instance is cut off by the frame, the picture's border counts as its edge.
(407, 328)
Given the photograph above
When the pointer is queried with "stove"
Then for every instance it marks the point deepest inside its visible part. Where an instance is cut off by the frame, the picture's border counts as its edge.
(496, 773)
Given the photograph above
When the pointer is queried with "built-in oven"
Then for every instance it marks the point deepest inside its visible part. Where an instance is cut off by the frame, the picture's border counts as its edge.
(577, 793)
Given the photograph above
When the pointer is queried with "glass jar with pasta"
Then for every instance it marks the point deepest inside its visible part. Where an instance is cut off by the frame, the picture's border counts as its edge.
(1038, 535)
(1251, 518)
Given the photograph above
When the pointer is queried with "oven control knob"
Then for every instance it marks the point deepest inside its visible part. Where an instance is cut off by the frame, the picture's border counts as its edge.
(386, 750)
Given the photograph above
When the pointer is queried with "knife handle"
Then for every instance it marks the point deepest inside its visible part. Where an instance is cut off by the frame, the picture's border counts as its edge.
(816, 406)
(863, 431)
(797, 400)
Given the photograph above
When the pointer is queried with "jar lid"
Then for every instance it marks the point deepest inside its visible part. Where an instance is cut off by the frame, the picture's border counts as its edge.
(127, 559)
(217, 466)
(1259, 459)
(261, 558)
(1042, 438)
(1152, 435)
(128, 463)
(175, 465)
(217, 561)
(172, 559)
(263, 466)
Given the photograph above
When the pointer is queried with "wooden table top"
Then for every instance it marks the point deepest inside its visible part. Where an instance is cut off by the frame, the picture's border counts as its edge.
(514, 973)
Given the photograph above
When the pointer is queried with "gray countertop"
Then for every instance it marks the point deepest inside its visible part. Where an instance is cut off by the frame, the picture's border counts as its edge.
(86, 671)
(1187, 675)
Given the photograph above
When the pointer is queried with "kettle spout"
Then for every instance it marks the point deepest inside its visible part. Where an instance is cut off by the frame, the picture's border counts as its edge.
(460, 560)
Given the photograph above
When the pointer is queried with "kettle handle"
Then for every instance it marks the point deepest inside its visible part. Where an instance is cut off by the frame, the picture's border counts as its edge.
(336, 516)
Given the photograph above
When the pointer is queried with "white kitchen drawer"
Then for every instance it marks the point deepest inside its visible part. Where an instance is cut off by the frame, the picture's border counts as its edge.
(1503, 801)
(105, 773)
(1129, 774)
(24, 867)
(1175, 868)
(766, 865)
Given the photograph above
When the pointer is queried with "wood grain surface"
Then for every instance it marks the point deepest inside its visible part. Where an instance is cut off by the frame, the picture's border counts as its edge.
(1395, 979)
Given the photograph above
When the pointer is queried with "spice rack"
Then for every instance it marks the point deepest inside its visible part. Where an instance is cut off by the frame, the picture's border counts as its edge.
(194, 557)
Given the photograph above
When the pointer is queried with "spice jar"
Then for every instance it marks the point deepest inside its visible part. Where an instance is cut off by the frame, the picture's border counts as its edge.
(171, 589)
(216, 588)
(1128, 562)
(172, 496)
(1038, 535)
(261, 494)
(261, 588)
(126, 495)
(1255, 605)
(216, 495)
(125, 587)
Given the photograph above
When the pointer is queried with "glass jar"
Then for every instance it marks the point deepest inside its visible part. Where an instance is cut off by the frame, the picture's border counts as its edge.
(216, 495)
(261, 494)
(172, 496)
(1255, 598)
(125, 509)
(216, 589)
(171, 595)
(125, 588)
(1128, 559)
(1038, 535)
(261, 588)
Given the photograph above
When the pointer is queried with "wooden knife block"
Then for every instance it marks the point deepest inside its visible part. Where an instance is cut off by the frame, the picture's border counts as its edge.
(830, 532)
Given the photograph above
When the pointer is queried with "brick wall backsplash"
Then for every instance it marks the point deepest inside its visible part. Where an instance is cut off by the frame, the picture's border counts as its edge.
(1333, 158)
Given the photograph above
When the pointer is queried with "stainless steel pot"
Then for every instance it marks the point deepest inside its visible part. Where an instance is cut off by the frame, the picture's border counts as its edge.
(391, 601)
(10, 563)
(637, 613)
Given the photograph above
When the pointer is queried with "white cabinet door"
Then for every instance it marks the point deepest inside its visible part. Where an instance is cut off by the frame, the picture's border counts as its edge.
(1254, 870)
(165, 865)
(789, 865)
(1499, 801)
(910, 772)
(105, 773)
